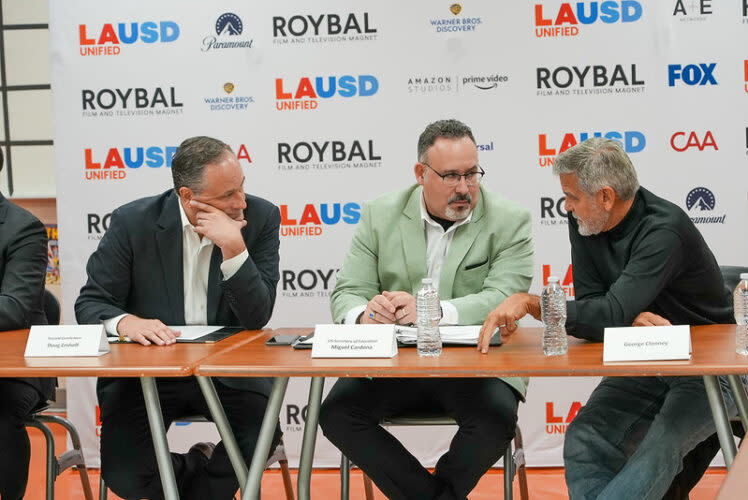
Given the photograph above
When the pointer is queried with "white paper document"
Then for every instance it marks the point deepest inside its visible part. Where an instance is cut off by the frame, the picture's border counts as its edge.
(192, 332)
(647, 343)
(467, 335)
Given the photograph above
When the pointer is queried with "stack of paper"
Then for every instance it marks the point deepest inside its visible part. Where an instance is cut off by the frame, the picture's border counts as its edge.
(467, 335)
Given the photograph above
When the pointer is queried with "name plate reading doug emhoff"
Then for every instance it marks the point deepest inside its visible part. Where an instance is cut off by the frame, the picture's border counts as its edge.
(66, 340)
(647, 343)
(354, 341)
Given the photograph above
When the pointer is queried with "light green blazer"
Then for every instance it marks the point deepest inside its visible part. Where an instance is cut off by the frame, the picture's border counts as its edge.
(489, 258)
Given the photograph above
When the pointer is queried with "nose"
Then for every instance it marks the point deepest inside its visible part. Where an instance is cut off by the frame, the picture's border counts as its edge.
(567, 206)
(462, 186)
(241, 201)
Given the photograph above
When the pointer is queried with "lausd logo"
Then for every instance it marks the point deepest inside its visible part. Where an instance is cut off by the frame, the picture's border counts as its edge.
(552, 211)
(324, 28)
(584, 80)
(312, 218)
(119, 161)
(307, 282)
(328, 155)
(631, 140)
(456, 24)
(107, 41)
(692, 74)
(130, 102)
(557, 424)
(97, 224)
(697, 10)
(228, 102)
(683, 141)
(700, 200)
(566, 20)
(567, 283)
(304, 95)
(228, 29)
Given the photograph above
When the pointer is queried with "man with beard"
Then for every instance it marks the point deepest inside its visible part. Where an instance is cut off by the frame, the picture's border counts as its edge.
(637, 259)
(477, 249)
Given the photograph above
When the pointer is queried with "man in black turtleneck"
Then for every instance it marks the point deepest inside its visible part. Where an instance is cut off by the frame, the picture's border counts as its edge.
(638, 260)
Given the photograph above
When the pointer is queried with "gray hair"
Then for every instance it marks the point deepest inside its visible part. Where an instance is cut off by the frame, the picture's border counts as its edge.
(450, 129)
(599, 162)
(189, 161)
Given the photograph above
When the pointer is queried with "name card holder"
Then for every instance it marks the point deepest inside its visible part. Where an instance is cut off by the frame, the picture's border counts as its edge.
(66, 340)
(647, 343)
(354, 341)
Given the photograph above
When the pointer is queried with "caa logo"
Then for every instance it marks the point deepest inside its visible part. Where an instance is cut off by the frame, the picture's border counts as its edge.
(565, 21)
(680, 141)
(324, 28)
(107, 41)
(130, 102)
(692, 74)
(567, 282)
(312, 218)
(552, 211)
(304, 94)
(631, 140)
(700, 200)
(557, 424)
(597, 79)
(307, 282)
(118, 161)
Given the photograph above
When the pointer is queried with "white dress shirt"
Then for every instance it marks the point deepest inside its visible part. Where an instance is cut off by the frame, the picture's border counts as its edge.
(437, 245)
(196, 254)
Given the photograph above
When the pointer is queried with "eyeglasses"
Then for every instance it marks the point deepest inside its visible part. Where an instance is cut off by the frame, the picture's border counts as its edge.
(472, 178)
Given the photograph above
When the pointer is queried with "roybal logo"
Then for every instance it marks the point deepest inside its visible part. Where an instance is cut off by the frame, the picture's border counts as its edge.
(228, 34)
(591, 79)
(328, 155)
(162, 101)
(323, 28)
(701, 204)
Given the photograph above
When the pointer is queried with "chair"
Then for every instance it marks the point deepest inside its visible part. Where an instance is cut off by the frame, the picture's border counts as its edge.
(731, 275)
(513, 462)
(39, 420)
(278, 455)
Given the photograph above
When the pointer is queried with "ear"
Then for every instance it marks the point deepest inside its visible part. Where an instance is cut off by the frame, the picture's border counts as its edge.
(186, 194)
(607, 198)
(420, 171)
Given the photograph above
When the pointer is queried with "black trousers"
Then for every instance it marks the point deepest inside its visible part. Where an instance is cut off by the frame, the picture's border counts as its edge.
(128, 460)
(484, 409)
(18, 399)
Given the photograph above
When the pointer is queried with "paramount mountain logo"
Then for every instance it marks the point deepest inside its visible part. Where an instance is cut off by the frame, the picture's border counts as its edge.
(229, 28)
(699, 201)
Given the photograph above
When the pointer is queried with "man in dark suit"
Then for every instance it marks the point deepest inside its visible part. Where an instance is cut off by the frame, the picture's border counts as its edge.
(23, 264)
(202, 253)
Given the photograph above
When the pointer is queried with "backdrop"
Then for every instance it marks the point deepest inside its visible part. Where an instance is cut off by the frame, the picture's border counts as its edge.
(323, 102)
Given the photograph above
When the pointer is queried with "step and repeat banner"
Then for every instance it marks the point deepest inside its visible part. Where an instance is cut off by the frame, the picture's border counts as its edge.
(323, 103)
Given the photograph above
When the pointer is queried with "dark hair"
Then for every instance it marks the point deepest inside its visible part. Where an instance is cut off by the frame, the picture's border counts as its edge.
(189, 161)
(450, 129)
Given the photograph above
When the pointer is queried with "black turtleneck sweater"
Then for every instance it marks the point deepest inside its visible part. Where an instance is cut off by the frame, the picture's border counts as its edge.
(654, 260)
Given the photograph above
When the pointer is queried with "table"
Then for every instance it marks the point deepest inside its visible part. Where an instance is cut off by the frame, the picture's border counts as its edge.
(133, 360)
(520, 356)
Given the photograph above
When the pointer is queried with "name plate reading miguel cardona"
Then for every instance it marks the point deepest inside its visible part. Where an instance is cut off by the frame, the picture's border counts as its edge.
(647, 343)
(66, 340)
(354, 341)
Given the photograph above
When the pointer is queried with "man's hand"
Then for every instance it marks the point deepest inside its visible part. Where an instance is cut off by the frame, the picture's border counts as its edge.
(514, 308)
(650, 319)
(405, 306)
(146, 331)
(380, 310)
(222, 230)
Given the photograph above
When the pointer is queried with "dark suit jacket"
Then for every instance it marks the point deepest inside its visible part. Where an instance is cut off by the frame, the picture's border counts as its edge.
(23, 266)
(137, 269)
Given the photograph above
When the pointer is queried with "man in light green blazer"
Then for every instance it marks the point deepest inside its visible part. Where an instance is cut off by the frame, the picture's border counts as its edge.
(477, 248)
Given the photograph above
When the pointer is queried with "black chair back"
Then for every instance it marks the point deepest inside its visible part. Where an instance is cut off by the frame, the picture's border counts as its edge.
(51, 308)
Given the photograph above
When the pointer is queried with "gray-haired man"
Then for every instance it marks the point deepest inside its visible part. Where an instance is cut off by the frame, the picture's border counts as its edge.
(637, 259)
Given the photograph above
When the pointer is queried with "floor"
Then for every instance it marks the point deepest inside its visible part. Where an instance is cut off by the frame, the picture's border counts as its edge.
(545, 483)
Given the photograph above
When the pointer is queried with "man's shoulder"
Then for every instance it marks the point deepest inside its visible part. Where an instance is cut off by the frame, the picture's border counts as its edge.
(18, 217)
(144, 206)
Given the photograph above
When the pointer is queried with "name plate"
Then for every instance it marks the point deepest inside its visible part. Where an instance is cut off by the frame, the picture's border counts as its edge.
(647, 343)
(66, 340)
(354, 341)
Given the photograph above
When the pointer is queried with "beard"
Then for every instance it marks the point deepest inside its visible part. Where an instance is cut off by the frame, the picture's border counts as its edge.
(457, 214)
(594, 224)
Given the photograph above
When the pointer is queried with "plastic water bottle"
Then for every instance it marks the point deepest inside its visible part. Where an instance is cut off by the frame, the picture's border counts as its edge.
(553, 313)
(740, 302)
(428, 340)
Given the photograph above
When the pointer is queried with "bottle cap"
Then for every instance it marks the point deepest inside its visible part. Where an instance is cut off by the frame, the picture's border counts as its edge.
(552, 279)
(744, 276)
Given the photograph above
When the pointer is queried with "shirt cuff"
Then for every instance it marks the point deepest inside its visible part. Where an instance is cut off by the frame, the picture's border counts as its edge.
(450, 316)
(110, 325)
(230, 266)
(350, 318)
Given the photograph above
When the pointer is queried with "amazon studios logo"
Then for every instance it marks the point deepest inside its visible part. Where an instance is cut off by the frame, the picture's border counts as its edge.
(701, 203)
(161, 101)
(446, 84)
(591, 79)
(304, 283)
(323, 28)
(328, 155)
(228, 29)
